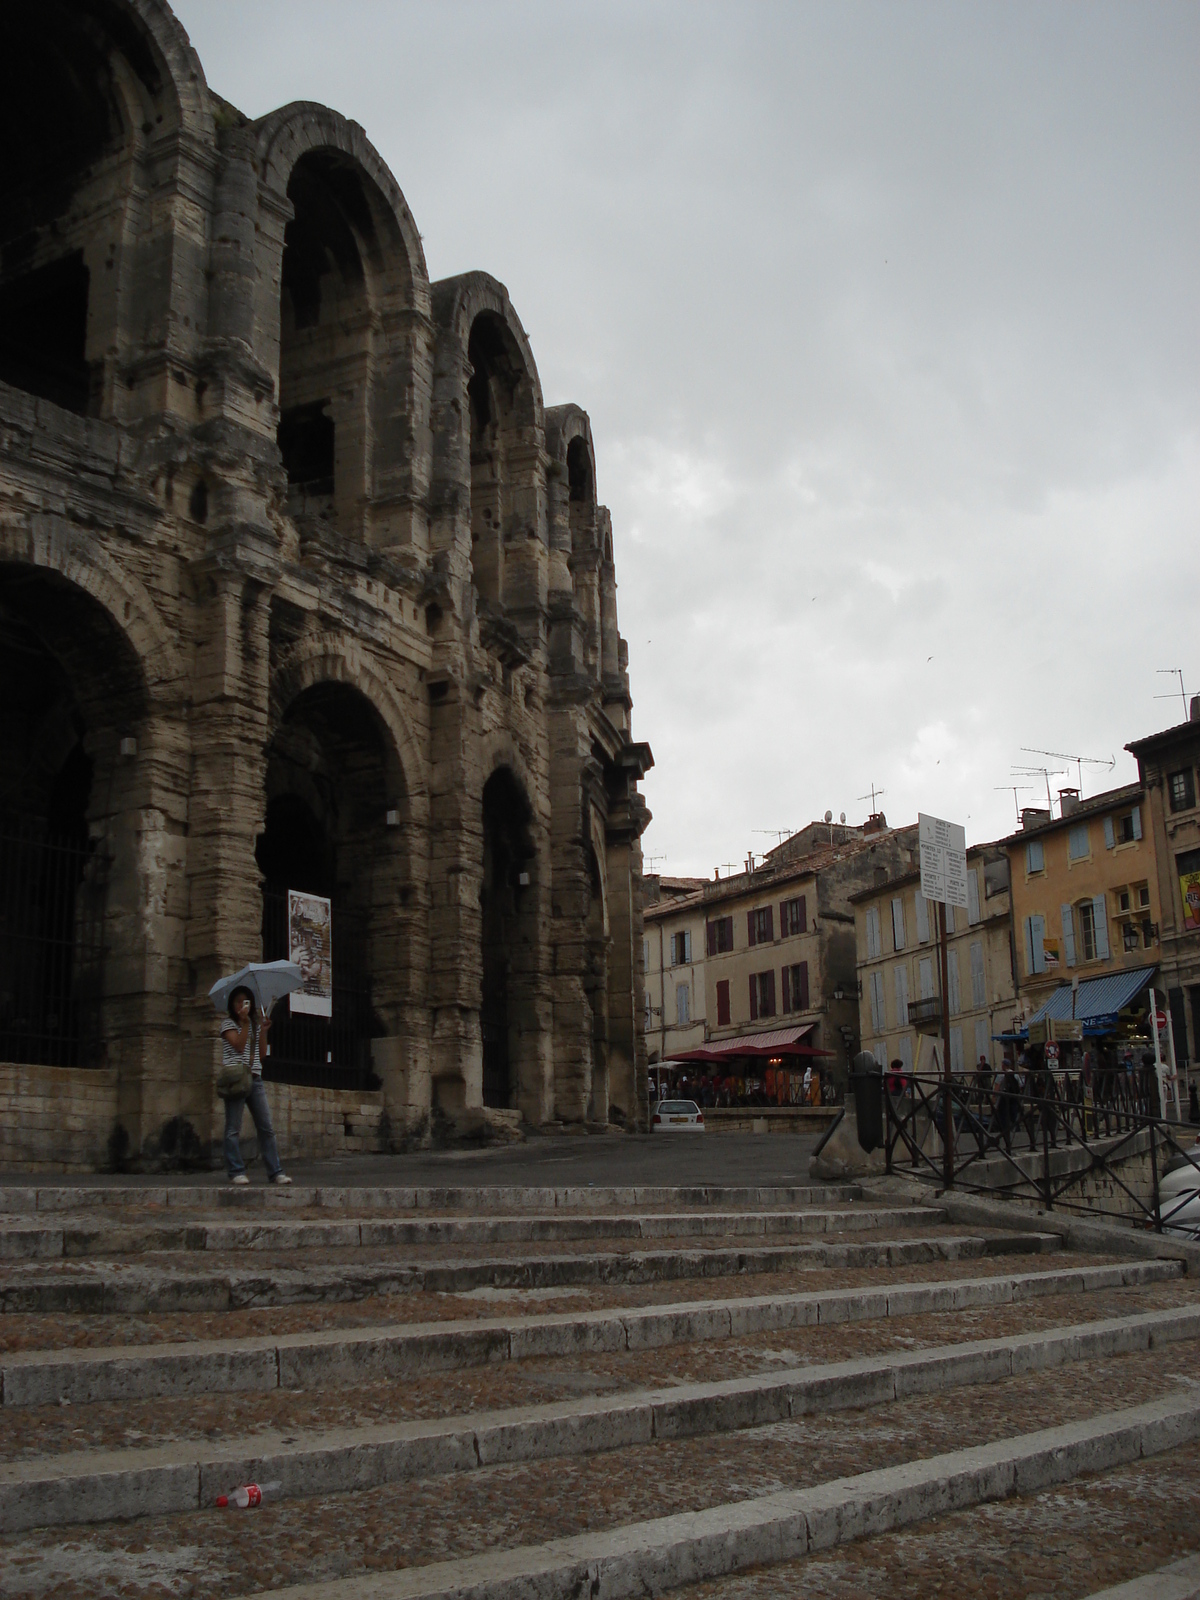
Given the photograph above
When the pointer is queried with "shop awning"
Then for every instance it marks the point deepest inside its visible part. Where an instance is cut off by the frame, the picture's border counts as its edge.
(779, 1042)
(1098, 1002)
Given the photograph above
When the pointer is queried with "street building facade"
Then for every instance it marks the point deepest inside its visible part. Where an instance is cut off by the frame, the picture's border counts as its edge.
(1169, 766)
(675, 1016)
(303, 587)
(899, 974)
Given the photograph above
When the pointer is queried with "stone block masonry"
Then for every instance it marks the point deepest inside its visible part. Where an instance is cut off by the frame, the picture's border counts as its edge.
(302, 587)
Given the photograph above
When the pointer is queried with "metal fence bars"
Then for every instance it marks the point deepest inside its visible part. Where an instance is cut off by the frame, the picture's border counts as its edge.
(51, 945)
(323, 1052)
(1055, 1138)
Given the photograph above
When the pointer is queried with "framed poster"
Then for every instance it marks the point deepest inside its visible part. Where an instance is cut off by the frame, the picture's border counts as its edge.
(310, 946)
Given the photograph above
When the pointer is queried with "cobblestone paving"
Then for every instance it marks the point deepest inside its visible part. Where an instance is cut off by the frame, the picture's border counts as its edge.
(26, 1432)
(426, 1520)
(1063, 1544)
(29, 1330)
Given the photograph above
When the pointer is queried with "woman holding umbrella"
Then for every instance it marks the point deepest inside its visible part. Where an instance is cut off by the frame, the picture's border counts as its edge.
(244, 1044)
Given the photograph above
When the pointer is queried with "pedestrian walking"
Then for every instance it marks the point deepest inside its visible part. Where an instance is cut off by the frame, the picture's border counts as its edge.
(244, 1044)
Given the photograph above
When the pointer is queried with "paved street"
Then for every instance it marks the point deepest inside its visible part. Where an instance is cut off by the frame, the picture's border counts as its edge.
(734, 1158)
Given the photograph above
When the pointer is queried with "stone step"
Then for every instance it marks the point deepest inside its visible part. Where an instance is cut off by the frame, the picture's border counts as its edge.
(167, 1286)
(98, 1486)
(362, 1355)
(24, 1241)
(86, 1199)
(1178, 1580)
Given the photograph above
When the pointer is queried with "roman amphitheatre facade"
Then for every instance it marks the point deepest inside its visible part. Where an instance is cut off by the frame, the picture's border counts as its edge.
(302, 587)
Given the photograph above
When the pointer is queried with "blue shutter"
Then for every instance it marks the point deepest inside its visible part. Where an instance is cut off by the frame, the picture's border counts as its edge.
(972, 896)
(1109, 837)
(1068, 925)
(922, 918)
(1137, 822)
(1100, 913)
(1038, 927)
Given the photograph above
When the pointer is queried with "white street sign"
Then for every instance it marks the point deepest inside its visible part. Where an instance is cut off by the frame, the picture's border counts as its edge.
(943, 860)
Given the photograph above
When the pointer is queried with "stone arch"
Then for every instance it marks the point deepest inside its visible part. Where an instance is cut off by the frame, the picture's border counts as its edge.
(100, 108)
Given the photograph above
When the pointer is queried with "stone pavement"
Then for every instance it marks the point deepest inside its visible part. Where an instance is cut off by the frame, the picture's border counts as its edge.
(721, 1387)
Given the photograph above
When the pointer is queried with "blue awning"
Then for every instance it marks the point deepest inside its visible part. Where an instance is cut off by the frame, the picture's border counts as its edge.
(1099, 1000)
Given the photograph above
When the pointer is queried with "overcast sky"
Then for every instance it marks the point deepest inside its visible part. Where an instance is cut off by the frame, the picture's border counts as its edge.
(886, 320)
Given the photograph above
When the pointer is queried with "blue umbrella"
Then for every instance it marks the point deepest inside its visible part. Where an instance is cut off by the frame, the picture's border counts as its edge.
(266, 981)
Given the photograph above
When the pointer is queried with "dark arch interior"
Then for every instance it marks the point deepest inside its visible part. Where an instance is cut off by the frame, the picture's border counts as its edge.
(507, 851)
(329, 786)
(69, 676)
(579, 472)
(495, 400)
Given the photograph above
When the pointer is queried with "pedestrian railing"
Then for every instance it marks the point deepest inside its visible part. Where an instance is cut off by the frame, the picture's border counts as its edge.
(1099, 1149)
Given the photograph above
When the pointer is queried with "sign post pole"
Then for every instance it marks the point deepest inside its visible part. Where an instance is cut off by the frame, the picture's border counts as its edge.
(947, 1079)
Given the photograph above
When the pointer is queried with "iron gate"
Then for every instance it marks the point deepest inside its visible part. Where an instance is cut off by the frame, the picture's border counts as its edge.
(51, 946)
(323, 1052)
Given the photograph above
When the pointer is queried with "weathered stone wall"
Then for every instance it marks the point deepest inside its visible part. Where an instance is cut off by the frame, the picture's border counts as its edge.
(309, 564)
(56, 1119)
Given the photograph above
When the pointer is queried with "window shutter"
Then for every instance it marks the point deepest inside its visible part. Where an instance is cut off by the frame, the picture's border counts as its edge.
(768, 1006)
(687, 946)
(1137, 822)
(803, 913)
(710, 938)
(922, 906)
(1038, 923)
(1029, 966)
(905, 1051)
(723, 1003)
(898, 923)
(873, 940)
(750, 928)
(978, 984)
(952, 981)
(983, 1042)
(800, 1001)
(784, 928)
(1109, 836)
(1068, 925)
(949, 919)
(770, 923)
(972, 896)
(1100, 912)
(956, 1055)
(754, 997)
(786, 995)
(925, 972)
(901, 981)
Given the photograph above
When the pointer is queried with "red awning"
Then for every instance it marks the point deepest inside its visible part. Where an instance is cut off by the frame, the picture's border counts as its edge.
(780, 1042)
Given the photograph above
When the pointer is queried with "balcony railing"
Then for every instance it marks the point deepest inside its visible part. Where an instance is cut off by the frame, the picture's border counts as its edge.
(925, 1015)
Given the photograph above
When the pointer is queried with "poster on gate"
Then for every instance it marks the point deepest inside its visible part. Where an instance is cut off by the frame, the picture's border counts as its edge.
(1189, 891)
(310, 946)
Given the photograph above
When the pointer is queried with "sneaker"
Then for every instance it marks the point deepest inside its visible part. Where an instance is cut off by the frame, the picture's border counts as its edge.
(281, 1178)
(240, 1178)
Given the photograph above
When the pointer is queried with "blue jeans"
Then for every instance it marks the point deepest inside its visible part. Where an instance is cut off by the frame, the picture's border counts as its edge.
(261, 1113)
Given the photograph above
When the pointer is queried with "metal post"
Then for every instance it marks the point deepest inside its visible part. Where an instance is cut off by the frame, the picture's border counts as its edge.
(1154, 1177)
(1158, 1060)
(1171, 1056)
(948, 1130)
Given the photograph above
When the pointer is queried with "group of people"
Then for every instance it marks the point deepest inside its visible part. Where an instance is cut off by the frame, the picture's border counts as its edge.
(774, 1086)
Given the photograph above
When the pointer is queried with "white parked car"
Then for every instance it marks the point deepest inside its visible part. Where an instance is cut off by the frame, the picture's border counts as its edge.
(1179, 1195)
(677, 1116)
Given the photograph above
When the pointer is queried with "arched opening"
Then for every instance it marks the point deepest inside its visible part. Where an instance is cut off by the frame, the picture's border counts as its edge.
(69, 715)
(334, 828)
(494, 395)
(506, 907)
(325, 329)
(72, 85)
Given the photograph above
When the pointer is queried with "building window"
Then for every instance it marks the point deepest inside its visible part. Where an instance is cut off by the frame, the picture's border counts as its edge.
(1087, 929)
(972, 897)
(719, 936)
(983, 1039)
(795, 987)
(1149, 933)
(762, 995)
(925, 977)
(1182, 790)
(901, 982)
(874, 942)
(1129, 827)
(723, 1003)
(1035, 944)
(793, 917)
(978, 983)
(760, 925)
(1077, 842)
(1143, 894)
(683, 1009)
(681, 949)
(921, 905)
(1035, 856)
(952, 981)
(956, 1050)
(878, 1004)
(897, 924)
(645, 955)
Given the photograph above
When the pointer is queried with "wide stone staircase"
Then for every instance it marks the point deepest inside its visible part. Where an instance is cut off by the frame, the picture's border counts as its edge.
(590, 1391)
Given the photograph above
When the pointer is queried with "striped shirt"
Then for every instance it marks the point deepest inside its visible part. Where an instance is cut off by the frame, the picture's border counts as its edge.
(238, 1058)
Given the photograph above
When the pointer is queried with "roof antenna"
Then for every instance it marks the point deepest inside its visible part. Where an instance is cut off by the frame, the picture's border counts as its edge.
(1174, 672)
(1080, 762)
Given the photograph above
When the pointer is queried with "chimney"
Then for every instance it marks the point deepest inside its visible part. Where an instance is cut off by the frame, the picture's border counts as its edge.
(1195, 713)
(1068, 802)
(1033, 816)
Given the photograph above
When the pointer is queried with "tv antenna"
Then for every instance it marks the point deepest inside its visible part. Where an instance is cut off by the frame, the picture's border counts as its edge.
(1080, 761)
(1022, 788)
(1045, 773)
(650, 860)
(1174, 672)
(778, 834)
(872, 797)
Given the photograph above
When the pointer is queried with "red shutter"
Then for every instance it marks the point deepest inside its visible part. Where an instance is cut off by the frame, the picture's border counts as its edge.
(723, 1003)
(783, 923)
(770, 923)
(801, 1000)
(768, 1006)
(710, 937)
(786, 987)
(754, 997)
(728, 925)
(750, 929)
(803, 918)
